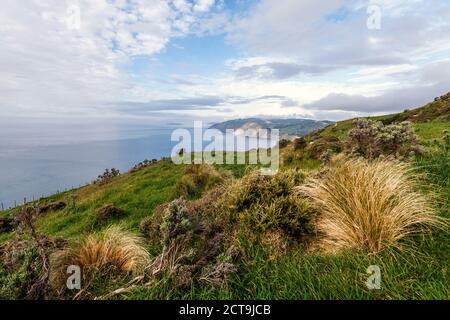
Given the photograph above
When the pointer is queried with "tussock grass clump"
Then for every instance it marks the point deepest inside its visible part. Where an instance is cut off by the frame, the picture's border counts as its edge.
(112, 250)
(369, 205)
(265, 203)
(198, 178)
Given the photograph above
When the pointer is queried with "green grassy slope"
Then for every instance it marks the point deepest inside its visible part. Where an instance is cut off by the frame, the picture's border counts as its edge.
(429, 121)
(296, 275)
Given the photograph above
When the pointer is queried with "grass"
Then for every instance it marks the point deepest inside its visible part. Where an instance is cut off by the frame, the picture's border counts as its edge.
(294, 275)
(429, 131)
(137, 194)
(298, 273)
(112, 247)
(369, 205)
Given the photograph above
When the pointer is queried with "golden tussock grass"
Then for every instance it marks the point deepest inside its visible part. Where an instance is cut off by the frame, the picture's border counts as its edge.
(112, 248)
(369, 205)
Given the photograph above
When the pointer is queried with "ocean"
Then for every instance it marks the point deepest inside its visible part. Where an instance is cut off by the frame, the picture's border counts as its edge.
(40, 159)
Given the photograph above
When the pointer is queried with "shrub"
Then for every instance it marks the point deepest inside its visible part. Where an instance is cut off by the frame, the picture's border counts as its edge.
(144, 164)
(150, 226)
(368, 205)
(21, 271)
(24, 261)
(326, 157)
(6, 225)
(299, 143)
(322, 145)
(372, 138)
(112, 250)
(289, 159)
(107, 176)
(198, 178)
(268, 203)
(284, 143)
(191, 240)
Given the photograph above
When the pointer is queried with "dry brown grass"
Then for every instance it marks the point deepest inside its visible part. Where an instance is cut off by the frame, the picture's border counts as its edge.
(369, 205)
(113, 248)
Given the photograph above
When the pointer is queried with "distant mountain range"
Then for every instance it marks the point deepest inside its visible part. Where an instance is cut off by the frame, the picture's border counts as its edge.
(288, 127)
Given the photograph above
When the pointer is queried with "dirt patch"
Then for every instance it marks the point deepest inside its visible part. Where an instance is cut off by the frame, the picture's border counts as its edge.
(109, 211)
(6, 225)
(55, 206)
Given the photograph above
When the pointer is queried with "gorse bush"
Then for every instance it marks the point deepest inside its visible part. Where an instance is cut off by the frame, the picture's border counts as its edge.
(368, 205)
(289, 159)
(321, 145)
(300, 143)
(198, 178)
(18, 271)
(372, 139)
(268, 203)
(284, 143)
(107, 176)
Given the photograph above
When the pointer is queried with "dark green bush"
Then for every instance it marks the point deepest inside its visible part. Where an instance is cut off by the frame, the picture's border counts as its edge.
(21, 272)
(289, 159)
(266, 203)
(321, 145)
(300, 143)
(284, 143)
(198, 178)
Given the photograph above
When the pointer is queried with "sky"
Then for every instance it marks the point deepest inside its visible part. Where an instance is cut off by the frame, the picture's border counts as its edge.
(172, 60)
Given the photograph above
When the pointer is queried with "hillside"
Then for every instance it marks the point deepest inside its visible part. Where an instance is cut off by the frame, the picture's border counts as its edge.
(262, 218)
(287, 127)
(429, 121)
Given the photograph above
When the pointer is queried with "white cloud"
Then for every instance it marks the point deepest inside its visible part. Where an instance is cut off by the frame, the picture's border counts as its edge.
(302, 52)
(55, 61)
(336, 31)
(203, 5)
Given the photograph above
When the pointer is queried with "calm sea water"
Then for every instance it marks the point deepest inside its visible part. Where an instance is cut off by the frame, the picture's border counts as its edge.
(43, 158)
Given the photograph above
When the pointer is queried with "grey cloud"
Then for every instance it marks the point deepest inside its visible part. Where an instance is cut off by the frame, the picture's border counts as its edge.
(426, 84)
(220, 104)
(392, 101)
(196, 103)
(279, 70)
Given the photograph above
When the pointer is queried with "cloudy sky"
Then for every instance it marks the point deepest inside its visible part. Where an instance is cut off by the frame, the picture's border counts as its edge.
(172, 59)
